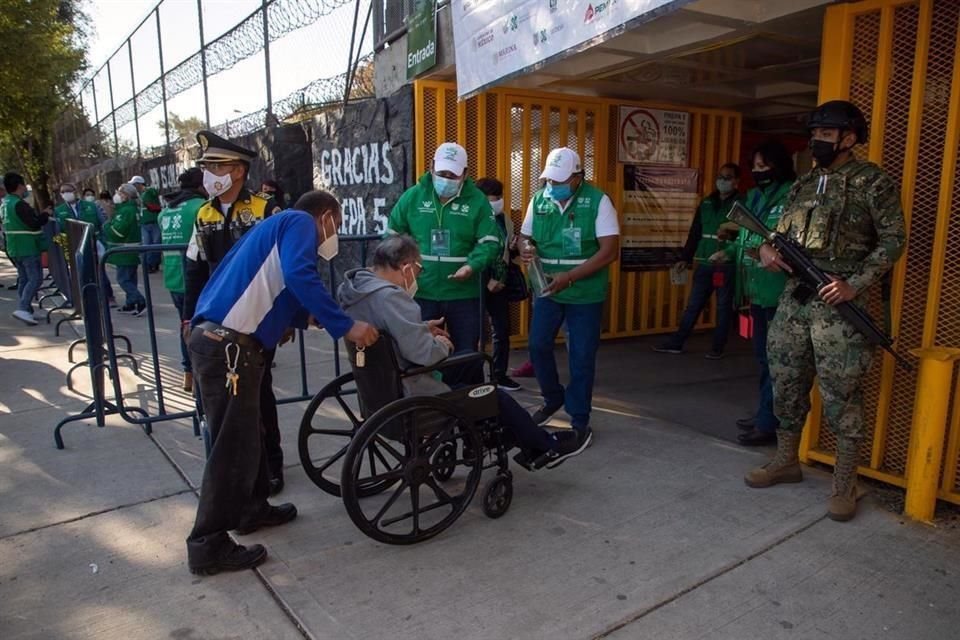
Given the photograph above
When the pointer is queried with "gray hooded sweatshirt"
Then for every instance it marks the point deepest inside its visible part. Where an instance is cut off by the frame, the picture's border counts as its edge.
(371, 299)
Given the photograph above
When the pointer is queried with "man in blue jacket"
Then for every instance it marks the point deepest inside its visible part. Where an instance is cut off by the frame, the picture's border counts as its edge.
(265, 285)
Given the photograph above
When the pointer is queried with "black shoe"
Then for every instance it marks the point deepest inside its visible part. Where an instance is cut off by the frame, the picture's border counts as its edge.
(569, 444)
(237, 558)
(667, 348)
(507, 383)
(757, 438)
(139, 309)
(544, 413)
(713, 354)
(746, 424)
(127, 308)
(273, 516)
(276, 484)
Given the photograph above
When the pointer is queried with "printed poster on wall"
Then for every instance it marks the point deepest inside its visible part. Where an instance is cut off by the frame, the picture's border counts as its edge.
(658, 208)
(652, 136)
(497, 39)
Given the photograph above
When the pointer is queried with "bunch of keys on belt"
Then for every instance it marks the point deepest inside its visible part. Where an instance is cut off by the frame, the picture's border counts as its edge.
(232, 375)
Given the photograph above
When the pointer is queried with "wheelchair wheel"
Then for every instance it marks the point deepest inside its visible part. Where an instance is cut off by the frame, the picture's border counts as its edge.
(329, 424)
(420, 434)
(497, 495)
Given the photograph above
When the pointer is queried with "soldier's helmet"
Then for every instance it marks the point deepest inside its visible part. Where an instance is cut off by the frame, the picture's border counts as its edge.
(839, 114)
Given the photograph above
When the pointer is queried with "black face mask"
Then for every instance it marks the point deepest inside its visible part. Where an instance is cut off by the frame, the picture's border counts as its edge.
(763, 178)
(825, 152)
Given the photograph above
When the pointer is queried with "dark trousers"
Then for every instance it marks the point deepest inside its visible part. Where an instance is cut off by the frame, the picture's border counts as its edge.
(700, 292)
(766, 421)
(499, 310)
(517, 422)
(463, 320)
(268, 417)
(184, 353)
(235, 479)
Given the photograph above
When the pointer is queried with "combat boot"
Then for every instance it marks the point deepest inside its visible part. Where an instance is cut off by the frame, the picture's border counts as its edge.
(785, 466)
(843, 498)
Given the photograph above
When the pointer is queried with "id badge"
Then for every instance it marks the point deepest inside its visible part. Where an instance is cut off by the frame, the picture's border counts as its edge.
(571, 241)
(440, 242)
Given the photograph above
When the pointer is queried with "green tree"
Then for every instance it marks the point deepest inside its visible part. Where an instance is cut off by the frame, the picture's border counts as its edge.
(42, 55)
(182, 128)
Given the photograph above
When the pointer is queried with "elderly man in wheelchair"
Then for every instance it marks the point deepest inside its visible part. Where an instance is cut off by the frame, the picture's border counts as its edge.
(429, 424)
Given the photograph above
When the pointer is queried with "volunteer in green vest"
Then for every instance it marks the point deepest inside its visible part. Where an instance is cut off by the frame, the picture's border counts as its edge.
(23, 228)
(576, 235)
(176, 226)
(773, 174)
(149, 229)
(85, 210)
(453, 224)
(714, 269)
(123, 229)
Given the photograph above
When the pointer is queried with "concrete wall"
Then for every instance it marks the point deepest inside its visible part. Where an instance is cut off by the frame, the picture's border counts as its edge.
(390, 64)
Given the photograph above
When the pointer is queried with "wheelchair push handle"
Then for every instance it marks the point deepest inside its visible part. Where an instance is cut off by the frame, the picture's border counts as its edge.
(452, 361)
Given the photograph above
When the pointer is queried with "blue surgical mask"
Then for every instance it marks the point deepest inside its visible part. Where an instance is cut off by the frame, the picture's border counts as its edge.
(445, 187)
(558, 192)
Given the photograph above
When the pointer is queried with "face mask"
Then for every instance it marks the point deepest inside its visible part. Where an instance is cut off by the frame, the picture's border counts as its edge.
(69, 197)
(330, 247)
(825, 152)
(558, 192)
(445, 187)
(497, 206)
(117, 198)
(763, 178)
(724, 186)
(216, 185)
(411, 288)
(90, 198)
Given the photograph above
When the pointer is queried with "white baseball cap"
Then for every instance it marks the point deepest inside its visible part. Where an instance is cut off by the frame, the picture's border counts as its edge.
(137, 180)
(561, 164)
(450, 157)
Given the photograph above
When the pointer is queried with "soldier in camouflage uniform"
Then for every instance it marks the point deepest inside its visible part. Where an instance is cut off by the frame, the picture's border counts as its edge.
(846, 214)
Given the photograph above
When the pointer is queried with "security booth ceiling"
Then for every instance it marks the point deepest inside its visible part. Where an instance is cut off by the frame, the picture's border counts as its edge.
(758, 57)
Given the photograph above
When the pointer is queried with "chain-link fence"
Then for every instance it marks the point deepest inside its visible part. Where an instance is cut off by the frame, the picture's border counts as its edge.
(234, 67)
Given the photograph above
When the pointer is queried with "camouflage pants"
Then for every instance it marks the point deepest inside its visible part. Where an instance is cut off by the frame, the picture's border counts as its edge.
(808, 340)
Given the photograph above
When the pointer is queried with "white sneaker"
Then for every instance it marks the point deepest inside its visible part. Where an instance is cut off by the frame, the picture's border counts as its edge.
(25, 317)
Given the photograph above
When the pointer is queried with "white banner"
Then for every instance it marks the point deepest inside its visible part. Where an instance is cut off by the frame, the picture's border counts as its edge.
(499, 38)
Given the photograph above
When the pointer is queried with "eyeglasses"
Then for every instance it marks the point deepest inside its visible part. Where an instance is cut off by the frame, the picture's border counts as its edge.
(727, 176)
(216, 165)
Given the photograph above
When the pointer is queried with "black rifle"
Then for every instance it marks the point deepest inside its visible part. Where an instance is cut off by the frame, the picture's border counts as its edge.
(813, 279)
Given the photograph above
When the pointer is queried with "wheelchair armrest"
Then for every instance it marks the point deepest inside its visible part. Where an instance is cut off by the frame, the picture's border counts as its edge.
(451, 361)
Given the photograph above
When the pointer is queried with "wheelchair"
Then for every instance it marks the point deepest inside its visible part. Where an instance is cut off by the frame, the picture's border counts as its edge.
(406, 467)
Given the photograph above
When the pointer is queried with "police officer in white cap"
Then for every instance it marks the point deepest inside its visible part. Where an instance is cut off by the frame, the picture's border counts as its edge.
(574, 231)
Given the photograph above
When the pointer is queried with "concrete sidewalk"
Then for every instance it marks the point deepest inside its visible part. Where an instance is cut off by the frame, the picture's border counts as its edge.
(649, 534)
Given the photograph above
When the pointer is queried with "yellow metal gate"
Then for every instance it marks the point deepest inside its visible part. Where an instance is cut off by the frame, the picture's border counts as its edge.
(899, 61)
(508, 133)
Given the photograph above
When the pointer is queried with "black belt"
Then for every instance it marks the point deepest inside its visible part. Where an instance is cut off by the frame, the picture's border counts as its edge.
(215, 331)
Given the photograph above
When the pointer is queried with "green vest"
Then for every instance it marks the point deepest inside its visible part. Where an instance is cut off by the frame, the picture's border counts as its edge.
(756, 285)
(22, 242)
(176, 226)
(87, 213)
(549, 227)
(713, 213)
(123, 229)
(149, 196)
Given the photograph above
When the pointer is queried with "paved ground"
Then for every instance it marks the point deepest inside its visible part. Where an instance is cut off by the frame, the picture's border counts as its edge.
(650, 534)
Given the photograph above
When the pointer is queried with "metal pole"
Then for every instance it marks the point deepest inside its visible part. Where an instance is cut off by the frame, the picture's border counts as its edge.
(163, 82)
(203, 64)
(352, 72)
(133, 90)
(113, 113)
(266, 56)
(353, 36)
(96, 112)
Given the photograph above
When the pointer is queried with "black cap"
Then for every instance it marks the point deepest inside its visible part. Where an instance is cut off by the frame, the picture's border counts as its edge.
(214, 148)
(839, 114)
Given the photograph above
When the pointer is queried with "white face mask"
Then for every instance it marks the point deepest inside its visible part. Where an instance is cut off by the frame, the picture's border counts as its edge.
(90, 198)
(216, 185)
(69, 197)
(497, 206)
(413, 287)
(117, 198)
(330, 247)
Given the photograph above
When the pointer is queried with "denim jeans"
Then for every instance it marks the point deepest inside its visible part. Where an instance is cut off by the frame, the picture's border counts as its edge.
(463, 320)
(29, 279)
(766, 421)
(127, 279)
(150, 234)
(583, 340)
(184, 352)
(499, 310)
(700, 292)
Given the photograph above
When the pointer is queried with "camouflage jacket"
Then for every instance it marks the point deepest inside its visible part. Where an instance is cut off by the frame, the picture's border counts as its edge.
(848, 219)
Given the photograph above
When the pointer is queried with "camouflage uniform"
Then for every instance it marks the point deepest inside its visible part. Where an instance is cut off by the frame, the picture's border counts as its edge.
(851, 224)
